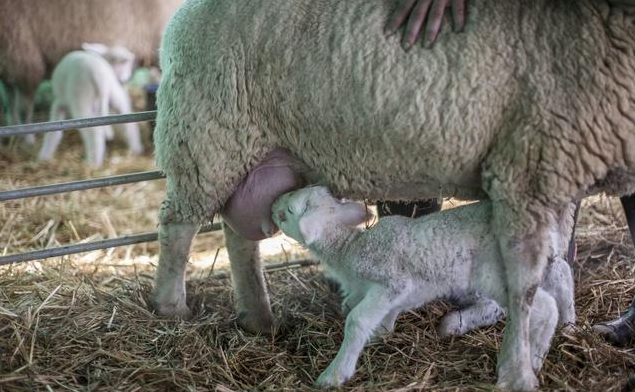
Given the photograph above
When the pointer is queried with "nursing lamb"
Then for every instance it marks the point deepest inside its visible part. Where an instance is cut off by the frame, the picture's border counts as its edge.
(88, 83)
(402, 263)
(532, 106)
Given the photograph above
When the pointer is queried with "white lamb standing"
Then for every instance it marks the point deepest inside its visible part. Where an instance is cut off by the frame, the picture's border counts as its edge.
(402, 263)
(88, 83)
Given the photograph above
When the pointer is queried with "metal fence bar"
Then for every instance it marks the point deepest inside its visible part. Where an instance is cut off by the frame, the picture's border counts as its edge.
(79, 185)
(274, 267)
(90, 246)
(76, 123)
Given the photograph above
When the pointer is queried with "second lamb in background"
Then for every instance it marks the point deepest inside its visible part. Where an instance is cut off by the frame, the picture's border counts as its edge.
(403, 263)
(88, 83)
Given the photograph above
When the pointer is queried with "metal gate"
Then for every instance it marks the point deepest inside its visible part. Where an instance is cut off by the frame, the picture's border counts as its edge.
(20, 130)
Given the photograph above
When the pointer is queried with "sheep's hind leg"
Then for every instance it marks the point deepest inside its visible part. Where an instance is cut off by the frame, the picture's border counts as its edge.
(482, 313)
(250, 289)
(169, 282)
(523, 240)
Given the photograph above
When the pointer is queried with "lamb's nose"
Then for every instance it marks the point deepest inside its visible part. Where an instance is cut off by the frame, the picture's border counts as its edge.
(282, 216)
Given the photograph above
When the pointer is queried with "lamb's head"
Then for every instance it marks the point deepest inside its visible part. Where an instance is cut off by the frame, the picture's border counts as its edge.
(306, 214)
(120, 58)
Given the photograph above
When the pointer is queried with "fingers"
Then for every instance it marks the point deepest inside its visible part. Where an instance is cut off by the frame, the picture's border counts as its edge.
(435, 19)
(399, 15)
(414, 14)
(415, 23)
(458, 14)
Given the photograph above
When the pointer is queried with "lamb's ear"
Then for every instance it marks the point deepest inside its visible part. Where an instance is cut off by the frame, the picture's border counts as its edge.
(352, 214)
(311, 227)
(100, 49)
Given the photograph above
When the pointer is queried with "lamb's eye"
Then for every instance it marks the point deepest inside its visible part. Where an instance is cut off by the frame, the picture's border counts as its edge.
(289, 210)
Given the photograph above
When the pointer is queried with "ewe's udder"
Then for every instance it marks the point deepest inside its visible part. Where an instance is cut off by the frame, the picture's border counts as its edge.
(248, 210)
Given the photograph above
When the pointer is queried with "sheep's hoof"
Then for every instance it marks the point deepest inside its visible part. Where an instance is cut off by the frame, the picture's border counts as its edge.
(517, 380)
(174, 310)
(257, 324)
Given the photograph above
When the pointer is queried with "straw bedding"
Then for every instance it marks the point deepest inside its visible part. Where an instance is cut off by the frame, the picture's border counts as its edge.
(82, 322)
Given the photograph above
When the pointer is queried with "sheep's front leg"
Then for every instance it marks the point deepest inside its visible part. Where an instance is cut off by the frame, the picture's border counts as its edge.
(250, 290)
(168, 295)
(523, 241)
(361, 322)
(482, 313)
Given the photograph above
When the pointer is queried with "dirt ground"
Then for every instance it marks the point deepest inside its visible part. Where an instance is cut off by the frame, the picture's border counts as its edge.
(82, 322)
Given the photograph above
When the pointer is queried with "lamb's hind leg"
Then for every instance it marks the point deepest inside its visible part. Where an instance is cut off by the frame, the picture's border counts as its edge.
(250, 289)
(543, 321)
(558, 282)
(482, 313)
(52, 139)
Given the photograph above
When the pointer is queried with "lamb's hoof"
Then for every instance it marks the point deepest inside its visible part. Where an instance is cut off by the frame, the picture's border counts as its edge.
(536, 363)
(30, 139)
(330, 378)
(136, 150)
(449, 326)
(332, 284)
(257, 324)
(568, 329)
(517, 381)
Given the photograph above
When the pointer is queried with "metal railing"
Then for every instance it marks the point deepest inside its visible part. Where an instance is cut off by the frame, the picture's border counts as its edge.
(93, 183)
(25, 129)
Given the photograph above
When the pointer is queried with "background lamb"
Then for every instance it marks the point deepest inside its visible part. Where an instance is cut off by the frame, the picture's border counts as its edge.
(490, 113)
(402, 263)
(35, 35)
(87, 84)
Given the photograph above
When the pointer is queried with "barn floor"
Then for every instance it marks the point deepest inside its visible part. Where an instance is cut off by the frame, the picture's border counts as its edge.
(82, 322)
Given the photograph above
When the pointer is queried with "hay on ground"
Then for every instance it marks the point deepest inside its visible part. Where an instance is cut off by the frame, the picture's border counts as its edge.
(83, 322)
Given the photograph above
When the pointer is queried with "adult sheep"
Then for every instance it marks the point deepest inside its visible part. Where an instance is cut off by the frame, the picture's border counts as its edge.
(532, 107)
(35, 35)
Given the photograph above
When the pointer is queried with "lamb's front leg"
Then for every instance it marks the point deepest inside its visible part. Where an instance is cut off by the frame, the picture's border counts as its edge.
(361, 322)
(482, 313)
(250, 290)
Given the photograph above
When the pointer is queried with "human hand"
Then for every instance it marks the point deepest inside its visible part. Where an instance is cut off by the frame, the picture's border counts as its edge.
(416, 12)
